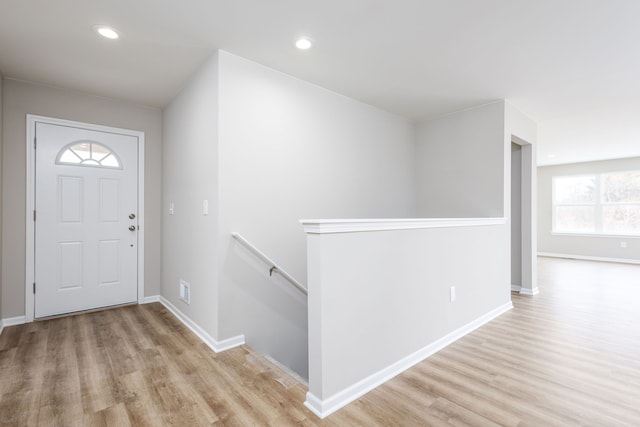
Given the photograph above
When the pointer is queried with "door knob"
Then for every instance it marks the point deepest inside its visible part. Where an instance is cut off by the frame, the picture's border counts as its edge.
(132, 227)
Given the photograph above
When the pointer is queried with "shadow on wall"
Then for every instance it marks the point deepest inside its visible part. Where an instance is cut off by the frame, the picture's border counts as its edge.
(270, 312)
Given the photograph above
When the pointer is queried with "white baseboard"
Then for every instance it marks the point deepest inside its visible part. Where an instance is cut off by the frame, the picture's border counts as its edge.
(589, 258)
(525, 291)
(324, 408)
(214, 344)
(150, 299)
(12, 321)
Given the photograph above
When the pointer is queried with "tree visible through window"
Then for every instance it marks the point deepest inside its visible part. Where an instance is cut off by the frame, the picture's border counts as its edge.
(574, 200)
(621, 202)
(597, 204)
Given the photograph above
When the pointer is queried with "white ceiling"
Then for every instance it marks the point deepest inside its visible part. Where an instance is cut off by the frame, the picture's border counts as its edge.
(572, 65)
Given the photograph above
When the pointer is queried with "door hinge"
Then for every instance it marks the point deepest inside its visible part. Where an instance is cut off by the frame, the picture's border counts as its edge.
(35, 143)
(34, 287)
(34, 214)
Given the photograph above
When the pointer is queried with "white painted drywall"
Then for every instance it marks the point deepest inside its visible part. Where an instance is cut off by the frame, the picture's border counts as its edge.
(463, 163)
(519, 125)
(22, 98)
(376, 298)
(460, 164)
(190, 176)
(290, 150)
(1, 119)
(606, 247)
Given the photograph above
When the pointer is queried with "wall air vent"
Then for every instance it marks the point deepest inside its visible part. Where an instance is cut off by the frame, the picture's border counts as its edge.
(185, 291)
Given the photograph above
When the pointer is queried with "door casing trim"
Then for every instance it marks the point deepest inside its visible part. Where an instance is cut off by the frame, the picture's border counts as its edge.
(29, 299)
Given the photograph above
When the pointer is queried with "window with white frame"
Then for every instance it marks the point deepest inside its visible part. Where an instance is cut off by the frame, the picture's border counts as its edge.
(88, 153)
(607, 203)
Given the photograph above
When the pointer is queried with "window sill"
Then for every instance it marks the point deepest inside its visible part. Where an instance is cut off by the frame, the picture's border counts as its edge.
(609, 236)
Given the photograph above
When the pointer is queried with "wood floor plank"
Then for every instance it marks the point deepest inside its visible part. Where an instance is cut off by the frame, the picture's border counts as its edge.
(566, 357)
(142, 402)
(116, 415)
(457, 415)
(61, 404)
(97, 384)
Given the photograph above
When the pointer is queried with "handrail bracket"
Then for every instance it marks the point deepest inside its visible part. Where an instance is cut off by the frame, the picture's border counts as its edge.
(274, 267)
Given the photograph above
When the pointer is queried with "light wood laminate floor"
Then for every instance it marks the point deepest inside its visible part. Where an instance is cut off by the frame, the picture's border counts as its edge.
(569, 356)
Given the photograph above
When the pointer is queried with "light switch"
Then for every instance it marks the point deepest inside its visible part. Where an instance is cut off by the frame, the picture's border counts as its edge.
(170, 208)
(205, 207)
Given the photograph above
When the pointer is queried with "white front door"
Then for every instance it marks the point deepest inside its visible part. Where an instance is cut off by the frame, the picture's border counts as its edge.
(86, 219)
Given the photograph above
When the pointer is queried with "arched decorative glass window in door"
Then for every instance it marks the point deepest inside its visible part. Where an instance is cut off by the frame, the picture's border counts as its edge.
(88, 153)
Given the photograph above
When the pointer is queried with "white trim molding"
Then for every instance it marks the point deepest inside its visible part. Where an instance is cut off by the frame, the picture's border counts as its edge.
(589, 258)
(150, 299)
(30, 202)
(323, 408)
(326, 226)
(211, 342)
(607, 236)
(525, 291)
(12, 321)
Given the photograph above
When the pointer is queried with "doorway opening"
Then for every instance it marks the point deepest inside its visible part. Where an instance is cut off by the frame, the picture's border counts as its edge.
(523, 218)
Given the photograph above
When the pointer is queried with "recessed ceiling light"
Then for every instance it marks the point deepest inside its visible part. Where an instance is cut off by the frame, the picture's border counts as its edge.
(551, 156)
(303, 43)
(106, 32)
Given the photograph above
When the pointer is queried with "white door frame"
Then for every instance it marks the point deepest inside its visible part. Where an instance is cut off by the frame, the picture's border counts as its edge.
(528, 212)
(31, 193)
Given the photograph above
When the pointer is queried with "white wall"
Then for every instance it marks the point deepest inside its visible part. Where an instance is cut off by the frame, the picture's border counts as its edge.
(20, 99)
(267, 149)
(606, 247)
(464, 170)
(1, 120)
(379, 301)
(460, 161)
(521, 130)
(190, 176)
(290, 150)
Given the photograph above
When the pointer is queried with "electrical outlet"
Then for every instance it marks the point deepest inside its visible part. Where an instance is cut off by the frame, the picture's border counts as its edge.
(623, 245)
(185, 291)
(170, 208)
(452, 294)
